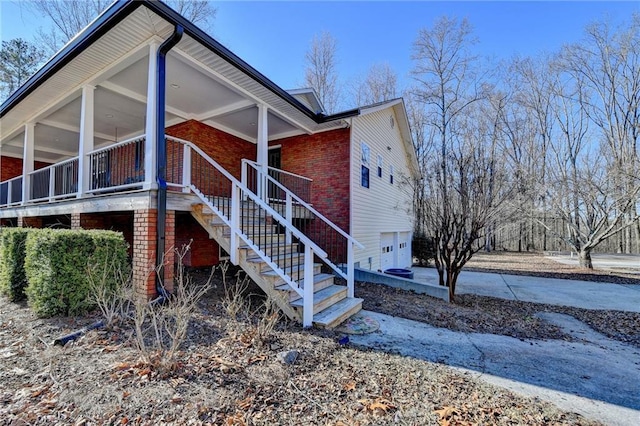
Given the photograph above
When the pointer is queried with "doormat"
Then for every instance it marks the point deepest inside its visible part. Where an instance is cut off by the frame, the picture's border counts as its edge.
(359, 324)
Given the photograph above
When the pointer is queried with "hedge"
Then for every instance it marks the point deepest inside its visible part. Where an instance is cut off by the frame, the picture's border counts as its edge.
(12, 253)
(58, 263)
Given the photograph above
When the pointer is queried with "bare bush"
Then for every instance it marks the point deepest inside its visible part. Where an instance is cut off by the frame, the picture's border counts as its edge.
(161, 325)
(114, 302)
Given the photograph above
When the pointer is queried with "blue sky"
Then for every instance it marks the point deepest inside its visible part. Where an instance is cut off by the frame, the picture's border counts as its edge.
(273, 36)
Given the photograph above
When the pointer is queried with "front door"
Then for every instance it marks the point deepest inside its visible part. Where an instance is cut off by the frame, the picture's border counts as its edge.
(274, 160)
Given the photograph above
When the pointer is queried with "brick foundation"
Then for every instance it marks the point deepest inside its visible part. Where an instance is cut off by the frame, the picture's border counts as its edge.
(30, 222)
(204, 251)
(144, 252)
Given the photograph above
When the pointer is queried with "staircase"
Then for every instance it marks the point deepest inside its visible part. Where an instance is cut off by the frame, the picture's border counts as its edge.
(288, 265)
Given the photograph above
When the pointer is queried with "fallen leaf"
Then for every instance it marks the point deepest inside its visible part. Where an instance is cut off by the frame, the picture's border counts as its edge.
(257, 358)
(350, 386)
(245, 403)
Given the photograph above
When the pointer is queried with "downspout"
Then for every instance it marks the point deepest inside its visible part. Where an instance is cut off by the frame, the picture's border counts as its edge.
(161, 151)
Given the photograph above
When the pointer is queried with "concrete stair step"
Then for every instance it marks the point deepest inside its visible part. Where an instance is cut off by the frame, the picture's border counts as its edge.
(324, 298)
(320, 281)
(335, 315)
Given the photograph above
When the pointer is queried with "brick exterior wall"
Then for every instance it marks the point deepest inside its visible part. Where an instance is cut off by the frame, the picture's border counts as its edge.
(12, 167)
(227, 150)
(204, 251)
(30, 222)
(323, 157)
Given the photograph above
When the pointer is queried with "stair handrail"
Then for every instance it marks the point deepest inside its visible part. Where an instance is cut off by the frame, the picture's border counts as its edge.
(311, 248)
(349, 274)
(272, 212)
(305, 204)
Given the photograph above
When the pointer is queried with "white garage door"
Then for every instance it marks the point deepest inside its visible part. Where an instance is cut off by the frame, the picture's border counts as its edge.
(387, 251)
(404, 250)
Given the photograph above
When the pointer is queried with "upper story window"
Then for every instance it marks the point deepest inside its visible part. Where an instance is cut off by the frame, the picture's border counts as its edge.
(391, 174)
(379, 165)
(365, 158)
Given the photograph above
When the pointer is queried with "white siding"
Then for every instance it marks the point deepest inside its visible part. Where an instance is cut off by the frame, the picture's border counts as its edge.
(383, 207)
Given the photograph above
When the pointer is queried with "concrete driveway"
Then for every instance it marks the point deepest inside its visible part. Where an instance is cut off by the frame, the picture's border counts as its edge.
(595, 376)
(580, 294)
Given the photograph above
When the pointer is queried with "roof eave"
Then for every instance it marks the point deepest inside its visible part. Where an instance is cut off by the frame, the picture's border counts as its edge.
(117, 12)
(103, 23)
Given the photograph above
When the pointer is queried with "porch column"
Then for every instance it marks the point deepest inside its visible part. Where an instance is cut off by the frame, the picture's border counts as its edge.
(151, 120)
(86, 143)
(27, 159)
(262, 156)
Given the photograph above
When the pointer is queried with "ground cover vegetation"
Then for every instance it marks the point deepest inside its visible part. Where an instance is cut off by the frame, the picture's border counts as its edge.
(237, 362)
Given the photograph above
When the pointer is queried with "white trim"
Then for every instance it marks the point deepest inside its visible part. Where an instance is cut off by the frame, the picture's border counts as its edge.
(130, 94)
(70, 128)
(370, 110)
(151, 120)
(27, 159)
(86, 139)
(224, 110)
(179, 54)
(262, 147)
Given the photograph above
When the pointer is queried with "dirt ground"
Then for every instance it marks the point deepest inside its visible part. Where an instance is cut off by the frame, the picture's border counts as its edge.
(224, 375)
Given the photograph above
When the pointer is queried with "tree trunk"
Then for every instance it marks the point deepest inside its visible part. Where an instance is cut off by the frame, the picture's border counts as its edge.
(584, 255)
(451, 283)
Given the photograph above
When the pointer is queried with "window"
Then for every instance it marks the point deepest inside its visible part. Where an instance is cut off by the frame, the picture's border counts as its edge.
(365, 154)
(364, 178)
(379, 165)
(391, 175)
(364, 170)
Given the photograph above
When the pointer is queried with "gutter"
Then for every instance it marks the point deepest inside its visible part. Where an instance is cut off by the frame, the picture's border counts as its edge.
(118, 11)
(161, 152)
(99, 27)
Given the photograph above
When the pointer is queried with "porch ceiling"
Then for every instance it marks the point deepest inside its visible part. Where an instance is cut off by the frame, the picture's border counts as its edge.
(201, 85)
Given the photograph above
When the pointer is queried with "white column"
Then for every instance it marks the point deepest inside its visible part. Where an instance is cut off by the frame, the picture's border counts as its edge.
(86, 143)
(150, 125)
(27, 159)
(262, 156)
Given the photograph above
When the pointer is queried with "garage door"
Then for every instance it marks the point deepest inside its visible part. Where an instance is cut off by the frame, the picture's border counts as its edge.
(387, 252)
(404, 250)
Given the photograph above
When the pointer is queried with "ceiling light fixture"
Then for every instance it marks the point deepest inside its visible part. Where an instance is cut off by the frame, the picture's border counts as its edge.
(109, 115)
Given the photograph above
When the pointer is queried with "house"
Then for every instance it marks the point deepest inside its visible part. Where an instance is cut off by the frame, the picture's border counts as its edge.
(145, 124)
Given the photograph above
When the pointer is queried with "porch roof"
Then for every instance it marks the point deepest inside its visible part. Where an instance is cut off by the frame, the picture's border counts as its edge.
(205, 80)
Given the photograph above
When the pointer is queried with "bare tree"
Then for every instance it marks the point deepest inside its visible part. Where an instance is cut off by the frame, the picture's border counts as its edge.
(69, 17)
(464, 189)
(320, 72)
(589, 188)
(379, 85)
(19, 59)
(608, 62)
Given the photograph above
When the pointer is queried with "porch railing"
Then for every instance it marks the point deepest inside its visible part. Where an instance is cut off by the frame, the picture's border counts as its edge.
(11, 192)
(299, 185)
(338, 244)
(117, 166)
(59, 180)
